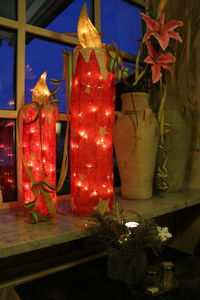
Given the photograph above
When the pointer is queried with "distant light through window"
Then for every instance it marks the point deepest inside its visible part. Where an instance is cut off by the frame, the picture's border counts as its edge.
(7, 160)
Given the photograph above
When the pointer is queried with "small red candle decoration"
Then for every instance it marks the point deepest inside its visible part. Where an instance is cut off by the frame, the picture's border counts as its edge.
(92, 116)
(39, 152)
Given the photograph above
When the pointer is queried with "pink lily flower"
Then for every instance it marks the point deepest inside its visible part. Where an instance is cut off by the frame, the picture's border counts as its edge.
(158, 60)
(161, 31)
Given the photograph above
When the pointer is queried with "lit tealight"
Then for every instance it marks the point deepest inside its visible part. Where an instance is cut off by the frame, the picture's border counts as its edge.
(131, 224)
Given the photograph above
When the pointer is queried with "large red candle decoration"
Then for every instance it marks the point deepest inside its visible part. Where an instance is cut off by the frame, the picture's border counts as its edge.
(39, 151)
(92, 117)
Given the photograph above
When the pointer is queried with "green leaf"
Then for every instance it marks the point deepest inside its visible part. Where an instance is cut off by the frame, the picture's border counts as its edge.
(54, 101)
(45, 219)
(119, 59)
(113, 53)
(151, 13)
(55, 90)
(35, 217)
(111, 65)
(107, 46)
(55, 81)
(118, 74)
(125, 72)
(30, 205)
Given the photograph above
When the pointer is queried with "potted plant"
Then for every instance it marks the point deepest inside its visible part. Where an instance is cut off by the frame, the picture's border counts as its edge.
(138, 131)
(127, 244)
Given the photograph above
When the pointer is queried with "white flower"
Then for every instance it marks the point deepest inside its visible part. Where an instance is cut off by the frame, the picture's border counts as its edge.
(163, 233)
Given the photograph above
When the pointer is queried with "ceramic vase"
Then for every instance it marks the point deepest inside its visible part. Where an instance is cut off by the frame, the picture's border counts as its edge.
(136, 137)
(177, 141)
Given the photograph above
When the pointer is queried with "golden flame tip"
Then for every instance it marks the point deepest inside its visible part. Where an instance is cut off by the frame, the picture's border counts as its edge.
(41, 92)
(44, 75)
(87, 33)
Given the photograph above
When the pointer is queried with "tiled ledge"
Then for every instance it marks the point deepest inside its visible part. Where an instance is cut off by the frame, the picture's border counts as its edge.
(161, 204)
(18, 236)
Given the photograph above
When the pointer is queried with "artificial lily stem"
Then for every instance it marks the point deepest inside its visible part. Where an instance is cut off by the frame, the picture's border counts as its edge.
(161, 110)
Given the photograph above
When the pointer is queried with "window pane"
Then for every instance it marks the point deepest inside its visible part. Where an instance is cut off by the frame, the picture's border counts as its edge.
(60, 15)
(7, 76)
(121, 21)
(60, 131)
(7, 160)
(8, 9)
(50, 60)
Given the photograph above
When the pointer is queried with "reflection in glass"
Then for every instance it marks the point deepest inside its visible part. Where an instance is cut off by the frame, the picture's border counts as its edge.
(60, 131)
(50, 59)
(7, 76)
(7, 160)
(8, 9)
(60, 15)
(121, 21)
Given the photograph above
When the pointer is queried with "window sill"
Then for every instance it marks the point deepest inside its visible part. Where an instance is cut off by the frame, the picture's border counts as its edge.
(18, 236)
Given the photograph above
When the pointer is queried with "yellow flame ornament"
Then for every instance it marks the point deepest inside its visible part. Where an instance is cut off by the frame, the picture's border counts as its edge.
(87, 34)
(41, 92)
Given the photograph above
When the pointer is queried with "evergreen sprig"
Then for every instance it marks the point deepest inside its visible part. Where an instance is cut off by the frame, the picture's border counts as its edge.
(116, 234)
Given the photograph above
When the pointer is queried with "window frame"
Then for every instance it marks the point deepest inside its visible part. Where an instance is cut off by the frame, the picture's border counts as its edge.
(22, 28)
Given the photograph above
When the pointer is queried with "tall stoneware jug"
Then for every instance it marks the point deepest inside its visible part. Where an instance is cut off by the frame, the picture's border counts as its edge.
(136, 138)
(178, 140)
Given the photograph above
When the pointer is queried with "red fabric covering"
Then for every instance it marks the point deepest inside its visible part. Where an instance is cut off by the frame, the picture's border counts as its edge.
(91, 155)
(40, 160)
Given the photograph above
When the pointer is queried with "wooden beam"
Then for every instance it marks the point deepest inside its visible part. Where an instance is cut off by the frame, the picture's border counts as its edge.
(20, 81)
(141, 3)
(11, 24)
(52, 35)
(97, 15)
(8, 114)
